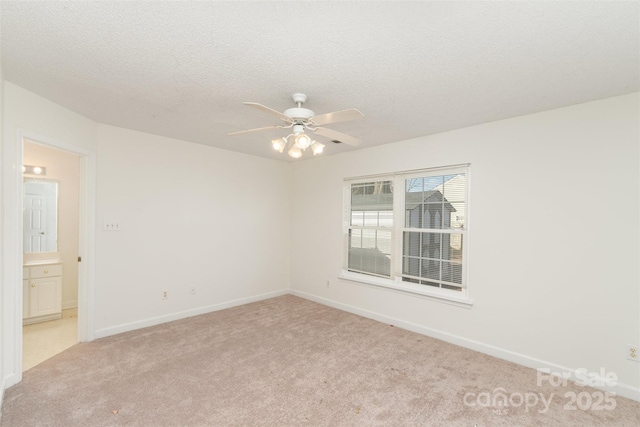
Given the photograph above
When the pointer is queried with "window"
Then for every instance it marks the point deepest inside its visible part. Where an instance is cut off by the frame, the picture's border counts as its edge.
(408, 231)
(371, 226)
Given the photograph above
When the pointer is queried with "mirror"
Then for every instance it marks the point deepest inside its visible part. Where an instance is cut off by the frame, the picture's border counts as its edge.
(40, 216)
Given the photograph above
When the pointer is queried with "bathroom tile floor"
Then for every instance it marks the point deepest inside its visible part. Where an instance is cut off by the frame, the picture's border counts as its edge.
(40, 341)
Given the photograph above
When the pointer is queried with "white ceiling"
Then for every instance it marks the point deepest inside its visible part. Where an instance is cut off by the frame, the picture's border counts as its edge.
(182, 69)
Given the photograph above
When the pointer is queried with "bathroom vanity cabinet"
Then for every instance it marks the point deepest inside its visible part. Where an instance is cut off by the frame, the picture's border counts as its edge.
(42, 292)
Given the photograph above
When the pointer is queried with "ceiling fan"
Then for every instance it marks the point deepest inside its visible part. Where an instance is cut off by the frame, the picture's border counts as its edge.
(300, 119)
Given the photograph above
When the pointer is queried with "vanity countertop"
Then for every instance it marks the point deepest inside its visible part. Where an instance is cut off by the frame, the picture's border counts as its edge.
(42, 262)
(41, 258)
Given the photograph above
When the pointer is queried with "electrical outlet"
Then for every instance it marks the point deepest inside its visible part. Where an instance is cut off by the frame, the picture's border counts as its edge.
(165, 294)
(633, 353)
(192, 290)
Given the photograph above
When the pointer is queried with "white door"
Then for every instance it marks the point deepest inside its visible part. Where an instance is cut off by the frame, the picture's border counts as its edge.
(40, 222)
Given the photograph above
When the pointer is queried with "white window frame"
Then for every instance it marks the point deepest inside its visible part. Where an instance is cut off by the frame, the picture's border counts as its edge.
(394, 282)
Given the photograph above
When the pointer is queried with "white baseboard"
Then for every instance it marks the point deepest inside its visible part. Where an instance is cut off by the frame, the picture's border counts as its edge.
(144, 323)
(70, 304)
(620, 389)
(11, 379)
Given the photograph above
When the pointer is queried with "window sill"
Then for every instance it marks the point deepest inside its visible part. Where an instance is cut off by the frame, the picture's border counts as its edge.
(460, 299)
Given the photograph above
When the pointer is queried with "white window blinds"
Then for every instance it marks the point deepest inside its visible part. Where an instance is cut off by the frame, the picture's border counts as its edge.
(409, 227)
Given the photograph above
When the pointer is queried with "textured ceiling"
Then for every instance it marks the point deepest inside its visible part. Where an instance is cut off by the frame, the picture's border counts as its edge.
(182, 69)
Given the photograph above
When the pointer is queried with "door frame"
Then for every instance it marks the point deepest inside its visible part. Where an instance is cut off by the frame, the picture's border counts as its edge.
(12, 288)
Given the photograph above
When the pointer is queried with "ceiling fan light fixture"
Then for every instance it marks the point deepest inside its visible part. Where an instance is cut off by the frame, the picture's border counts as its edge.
(295, 152)
(303, 141)
(299, 119)
(316, 147)
(279, 144)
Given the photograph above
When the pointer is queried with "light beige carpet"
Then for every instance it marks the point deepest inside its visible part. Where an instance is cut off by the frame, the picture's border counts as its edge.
(288, 362)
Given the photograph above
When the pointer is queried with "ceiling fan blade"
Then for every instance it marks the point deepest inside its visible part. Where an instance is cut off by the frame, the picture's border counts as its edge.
(337, 136)
(240, 132)
(268, 110)
(338, 116)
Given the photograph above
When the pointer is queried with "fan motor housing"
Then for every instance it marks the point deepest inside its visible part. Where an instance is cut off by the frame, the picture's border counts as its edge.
(299, 113)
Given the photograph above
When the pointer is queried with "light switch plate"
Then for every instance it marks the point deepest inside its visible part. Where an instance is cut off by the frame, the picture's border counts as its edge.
(111, 225)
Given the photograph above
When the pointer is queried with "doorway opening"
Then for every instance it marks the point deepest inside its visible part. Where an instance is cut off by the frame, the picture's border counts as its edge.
(13, 268)
(51, 208)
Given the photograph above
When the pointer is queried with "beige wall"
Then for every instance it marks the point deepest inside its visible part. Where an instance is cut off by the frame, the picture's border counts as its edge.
(552, 273)
(62, 167)
(190, 216)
